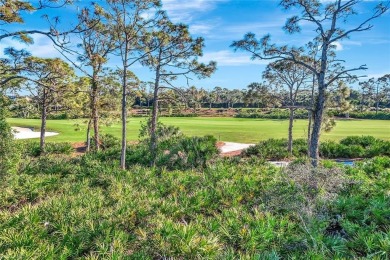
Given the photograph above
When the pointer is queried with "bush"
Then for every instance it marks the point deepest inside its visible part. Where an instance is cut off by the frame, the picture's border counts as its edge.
(188, 152)
(349, 147)
(363, 141)
(33, 149)
(272, 149)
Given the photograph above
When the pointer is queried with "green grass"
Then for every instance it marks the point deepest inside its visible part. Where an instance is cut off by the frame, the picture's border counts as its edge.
(224, 129)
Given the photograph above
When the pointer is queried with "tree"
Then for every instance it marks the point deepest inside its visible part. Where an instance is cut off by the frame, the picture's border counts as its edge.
(329, 19)
(49, 80)
(175, 55)
(368, 94)
(130, 24)
(382, 91)
(96, 43)
(290, 76)
(259, 95)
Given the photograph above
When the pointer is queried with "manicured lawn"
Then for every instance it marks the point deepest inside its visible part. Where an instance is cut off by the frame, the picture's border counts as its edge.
(225, 129)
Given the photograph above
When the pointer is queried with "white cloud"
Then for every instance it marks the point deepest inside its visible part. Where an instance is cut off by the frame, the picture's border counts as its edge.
(42, 47)
(338, 46)
(184, 11)
(229, 58)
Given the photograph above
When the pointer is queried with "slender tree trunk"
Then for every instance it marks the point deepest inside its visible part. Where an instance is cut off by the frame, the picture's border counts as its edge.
(153, 123)
(124, 116)
(310, 116)
(88, 148)
(94, 109)
(43, 123)
(290, 131)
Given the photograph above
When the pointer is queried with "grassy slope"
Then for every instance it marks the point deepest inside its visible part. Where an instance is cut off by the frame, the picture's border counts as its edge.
(225, 129)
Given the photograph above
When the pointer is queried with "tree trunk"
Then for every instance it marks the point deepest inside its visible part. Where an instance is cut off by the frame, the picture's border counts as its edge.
(43, 123)
(153, 126)
(319, 108)
(124, 119)
(318, 117)
(94, 109)
(290, 133)
(88, 148)
(310, 116)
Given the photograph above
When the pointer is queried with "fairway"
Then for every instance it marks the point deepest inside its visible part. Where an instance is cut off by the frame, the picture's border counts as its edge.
(225, 129)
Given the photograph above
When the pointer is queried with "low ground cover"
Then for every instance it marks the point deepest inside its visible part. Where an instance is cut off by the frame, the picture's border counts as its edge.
(63, 207)
(243, 130)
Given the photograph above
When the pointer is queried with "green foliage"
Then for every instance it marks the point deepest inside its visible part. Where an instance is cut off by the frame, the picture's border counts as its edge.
(31, 148)
(9, 155)
(355, 147)
(107, 141)
(276, 149)
(272, 114)
(61, 207)
(380, 115)
(349, 147)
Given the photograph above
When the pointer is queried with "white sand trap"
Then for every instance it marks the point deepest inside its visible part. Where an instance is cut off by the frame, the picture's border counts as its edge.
(232, 147)
(27, 133)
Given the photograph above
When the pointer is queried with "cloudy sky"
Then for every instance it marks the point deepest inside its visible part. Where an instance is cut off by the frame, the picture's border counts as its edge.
(220, 22)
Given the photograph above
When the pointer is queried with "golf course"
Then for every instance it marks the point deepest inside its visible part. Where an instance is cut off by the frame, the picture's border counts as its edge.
(224, 129)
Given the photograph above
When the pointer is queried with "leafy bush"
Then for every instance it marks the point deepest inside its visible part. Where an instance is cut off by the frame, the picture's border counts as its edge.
(381, 115)
(9, 154)
(175, 153)
(349, 147)
(31, 148)
(276, 149)
(363, 141)
(188, 152)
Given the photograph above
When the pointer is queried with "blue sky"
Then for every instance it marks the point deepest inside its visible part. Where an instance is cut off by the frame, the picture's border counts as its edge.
(222, 21)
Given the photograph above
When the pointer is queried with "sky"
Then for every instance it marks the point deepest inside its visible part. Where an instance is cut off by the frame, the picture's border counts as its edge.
(220, 22)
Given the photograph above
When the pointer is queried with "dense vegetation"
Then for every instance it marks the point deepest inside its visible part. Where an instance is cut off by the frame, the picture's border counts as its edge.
(349, 147)
(57, 206)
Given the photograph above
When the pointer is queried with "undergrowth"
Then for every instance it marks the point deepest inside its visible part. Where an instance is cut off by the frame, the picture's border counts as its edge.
(59, 207)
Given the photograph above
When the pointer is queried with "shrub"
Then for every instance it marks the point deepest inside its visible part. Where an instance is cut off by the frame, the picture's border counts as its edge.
(188, 152)
(9, 154)
(363, 141)
(272, 149)
(33, 149)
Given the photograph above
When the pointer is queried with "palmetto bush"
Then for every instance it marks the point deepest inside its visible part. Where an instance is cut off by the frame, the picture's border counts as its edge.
(60, 207)
(349, 147)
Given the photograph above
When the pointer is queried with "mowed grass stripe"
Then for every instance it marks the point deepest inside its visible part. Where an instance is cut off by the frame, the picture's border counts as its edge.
(225, 129)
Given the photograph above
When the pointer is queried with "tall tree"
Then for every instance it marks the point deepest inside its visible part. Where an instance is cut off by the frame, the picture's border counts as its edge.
(130, 23)
(97, 42)
(290, 76)
(175, 55)
(51, 80)
(329, 20)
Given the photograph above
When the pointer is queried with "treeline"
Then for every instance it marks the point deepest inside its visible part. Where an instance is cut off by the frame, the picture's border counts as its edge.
(250, 101)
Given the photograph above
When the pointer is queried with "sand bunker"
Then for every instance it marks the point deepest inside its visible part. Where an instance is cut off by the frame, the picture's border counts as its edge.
(232, 147)
(27, 133)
